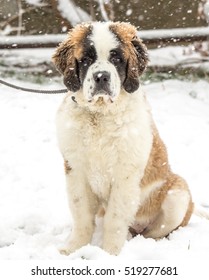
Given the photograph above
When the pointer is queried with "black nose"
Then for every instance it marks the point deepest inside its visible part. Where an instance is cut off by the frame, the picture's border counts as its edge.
(101, 77)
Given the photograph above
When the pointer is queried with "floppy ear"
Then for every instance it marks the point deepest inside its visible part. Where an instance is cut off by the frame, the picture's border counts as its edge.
(67, 65)
(142, 55)
(136, 65)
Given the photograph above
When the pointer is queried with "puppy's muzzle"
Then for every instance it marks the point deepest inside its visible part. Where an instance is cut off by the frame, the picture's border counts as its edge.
(102, 83)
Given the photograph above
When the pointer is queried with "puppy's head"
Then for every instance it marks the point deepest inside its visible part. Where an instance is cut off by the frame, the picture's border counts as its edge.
(101, 59)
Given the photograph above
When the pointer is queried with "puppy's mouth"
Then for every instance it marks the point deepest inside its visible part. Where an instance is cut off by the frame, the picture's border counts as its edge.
(101, 96)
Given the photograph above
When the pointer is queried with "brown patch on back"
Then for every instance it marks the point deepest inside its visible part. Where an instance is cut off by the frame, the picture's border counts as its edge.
(157, 167)
(157, 170)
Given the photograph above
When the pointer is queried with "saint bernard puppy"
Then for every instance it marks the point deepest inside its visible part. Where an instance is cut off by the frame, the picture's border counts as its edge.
(113, 155)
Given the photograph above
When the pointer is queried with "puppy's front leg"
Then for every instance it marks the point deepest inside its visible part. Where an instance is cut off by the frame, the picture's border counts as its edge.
(121, 210)
(83, 206)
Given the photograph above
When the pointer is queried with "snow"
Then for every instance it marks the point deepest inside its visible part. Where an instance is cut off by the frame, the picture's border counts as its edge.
(170, 56)
(34, 216)
(206, 10)
(129, 12)
(35, 2)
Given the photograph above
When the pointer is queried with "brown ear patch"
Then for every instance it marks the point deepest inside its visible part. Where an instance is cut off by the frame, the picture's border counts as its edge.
(68, 53)
(134, 51)
(133, 47)
(71, 48)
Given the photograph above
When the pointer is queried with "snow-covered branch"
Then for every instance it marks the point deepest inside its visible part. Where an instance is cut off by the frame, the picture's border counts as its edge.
(37, 3)
(106, 9)
(30, 41)
(103, 11)
(174, 33)
(148, 36)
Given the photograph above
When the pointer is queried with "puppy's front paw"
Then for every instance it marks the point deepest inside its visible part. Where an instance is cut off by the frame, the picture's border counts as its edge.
(65, 251)
(111, 248)
(113, 243)
(72, 245)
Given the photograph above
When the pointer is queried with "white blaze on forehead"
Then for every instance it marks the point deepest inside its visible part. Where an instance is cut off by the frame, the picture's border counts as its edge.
(104, 40)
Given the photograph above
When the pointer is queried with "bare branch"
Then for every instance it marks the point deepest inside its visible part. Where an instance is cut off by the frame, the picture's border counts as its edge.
(102, 9)
(91, 10)
(20, 13)
(4, 24)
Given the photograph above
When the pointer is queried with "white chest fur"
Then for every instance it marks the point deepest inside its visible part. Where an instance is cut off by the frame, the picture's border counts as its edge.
(105, 148)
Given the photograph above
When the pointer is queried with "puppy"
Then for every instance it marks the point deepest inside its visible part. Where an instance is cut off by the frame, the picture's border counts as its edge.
(113, 155)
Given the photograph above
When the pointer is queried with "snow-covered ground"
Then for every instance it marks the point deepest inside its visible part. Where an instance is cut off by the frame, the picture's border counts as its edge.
(34, 216)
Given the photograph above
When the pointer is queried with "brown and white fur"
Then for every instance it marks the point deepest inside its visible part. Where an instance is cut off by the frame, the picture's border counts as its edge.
(114, 157)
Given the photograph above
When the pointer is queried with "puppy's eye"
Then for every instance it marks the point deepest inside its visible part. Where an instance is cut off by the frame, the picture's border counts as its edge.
(115, 57)
(86, 61)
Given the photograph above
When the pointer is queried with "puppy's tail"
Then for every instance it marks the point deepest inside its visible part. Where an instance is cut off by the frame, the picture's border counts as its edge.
(201, 212)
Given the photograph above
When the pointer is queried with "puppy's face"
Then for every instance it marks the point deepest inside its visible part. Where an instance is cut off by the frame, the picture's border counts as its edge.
(100, 59)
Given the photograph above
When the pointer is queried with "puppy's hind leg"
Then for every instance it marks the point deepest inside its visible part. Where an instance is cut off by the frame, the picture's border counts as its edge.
(176, 210)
